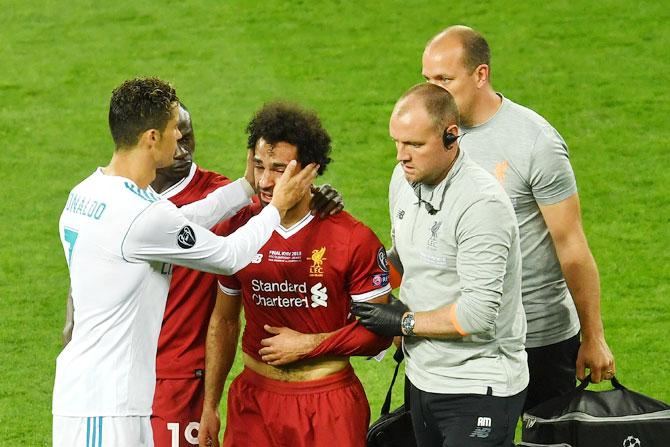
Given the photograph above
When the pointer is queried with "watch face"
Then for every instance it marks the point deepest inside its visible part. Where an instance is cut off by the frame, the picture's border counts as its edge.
(408, 324)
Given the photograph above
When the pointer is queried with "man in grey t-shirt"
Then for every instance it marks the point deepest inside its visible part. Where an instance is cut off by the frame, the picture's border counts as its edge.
(456, 240)
(560, 286)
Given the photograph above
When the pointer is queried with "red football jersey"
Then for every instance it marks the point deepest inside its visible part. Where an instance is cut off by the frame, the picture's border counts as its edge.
(305, 276)
(181, 345)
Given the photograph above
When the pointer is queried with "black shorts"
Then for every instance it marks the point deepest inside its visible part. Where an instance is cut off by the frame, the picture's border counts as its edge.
(552, 370)
(464, 420)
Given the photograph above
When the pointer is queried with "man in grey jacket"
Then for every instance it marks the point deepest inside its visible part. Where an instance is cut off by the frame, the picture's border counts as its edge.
(456, 242)
(560, 284)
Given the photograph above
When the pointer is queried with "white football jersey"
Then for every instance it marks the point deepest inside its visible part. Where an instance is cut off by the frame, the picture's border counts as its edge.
(120, 242)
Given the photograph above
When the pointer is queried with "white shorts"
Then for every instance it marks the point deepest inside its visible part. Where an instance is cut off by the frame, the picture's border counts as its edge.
(107, 431)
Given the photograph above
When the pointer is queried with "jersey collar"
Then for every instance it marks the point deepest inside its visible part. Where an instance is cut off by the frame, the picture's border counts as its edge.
(296, 227)
(181, 184)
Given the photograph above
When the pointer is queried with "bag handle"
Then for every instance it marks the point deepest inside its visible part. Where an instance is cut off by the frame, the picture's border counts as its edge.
(587, 380)
(398, 357)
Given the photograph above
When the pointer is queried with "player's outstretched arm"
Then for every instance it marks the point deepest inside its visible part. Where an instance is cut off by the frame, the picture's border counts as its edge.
(221, 204)
(162, 233)
(224, 202)
(221, 345)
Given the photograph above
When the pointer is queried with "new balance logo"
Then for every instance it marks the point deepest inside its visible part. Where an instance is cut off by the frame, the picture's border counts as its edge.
(258, 257)
(319, 295)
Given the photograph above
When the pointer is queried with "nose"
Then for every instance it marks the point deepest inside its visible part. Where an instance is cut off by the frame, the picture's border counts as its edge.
(266, 181)
(439, 83)
(180, 153)
(402, 152)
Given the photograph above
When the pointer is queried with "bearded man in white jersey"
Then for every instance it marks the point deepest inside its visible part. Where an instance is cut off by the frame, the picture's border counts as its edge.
(120, 240)
(560, 286)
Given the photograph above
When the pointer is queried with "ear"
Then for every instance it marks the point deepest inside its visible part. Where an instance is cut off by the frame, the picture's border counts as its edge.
(482, 74)
(149, 137)
(453, 129)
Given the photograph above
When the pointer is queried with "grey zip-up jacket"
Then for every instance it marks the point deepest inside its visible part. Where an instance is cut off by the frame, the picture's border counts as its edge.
(463, 248)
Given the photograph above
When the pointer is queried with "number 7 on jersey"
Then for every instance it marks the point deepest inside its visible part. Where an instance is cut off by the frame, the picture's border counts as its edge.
(70, 237)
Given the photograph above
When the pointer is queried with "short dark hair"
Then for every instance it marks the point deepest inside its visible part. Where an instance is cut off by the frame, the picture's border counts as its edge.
(476, 50)
(138, 105)
(281, 121)
(438, 102)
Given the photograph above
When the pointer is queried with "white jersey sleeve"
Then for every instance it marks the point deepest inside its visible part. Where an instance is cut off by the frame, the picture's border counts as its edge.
(220, 204)
(162, 233)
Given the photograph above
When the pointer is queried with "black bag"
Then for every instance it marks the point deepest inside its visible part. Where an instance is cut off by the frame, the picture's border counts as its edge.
(392, 429)
(617, 417)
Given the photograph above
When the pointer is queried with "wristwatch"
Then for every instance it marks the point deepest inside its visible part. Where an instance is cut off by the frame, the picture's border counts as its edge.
(407, 324)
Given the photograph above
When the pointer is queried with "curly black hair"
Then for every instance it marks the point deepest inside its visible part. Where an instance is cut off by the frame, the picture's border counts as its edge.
(138, 105)
(280, 121)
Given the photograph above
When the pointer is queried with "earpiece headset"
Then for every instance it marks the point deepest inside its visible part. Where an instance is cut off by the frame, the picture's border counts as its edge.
(448, 139)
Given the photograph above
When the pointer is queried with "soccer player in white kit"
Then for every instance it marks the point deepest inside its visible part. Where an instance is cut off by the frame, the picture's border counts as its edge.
(120, 239)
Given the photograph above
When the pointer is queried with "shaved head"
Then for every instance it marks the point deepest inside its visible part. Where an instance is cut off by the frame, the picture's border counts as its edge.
(436, 101)
(420, 119)
(458, 59)
(475, 52)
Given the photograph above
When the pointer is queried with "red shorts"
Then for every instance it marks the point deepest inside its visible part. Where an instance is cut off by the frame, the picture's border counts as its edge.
(327, 412)
(176, 412)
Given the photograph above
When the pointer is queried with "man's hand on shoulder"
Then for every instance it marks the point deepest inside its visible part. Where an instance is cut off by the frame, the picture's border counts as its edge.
(287, 346)
(326, 201)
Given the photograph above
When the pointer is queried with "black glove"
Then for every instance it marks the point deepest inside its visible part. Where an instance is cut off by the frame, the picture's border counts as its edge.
(382, 319)
(326, 201)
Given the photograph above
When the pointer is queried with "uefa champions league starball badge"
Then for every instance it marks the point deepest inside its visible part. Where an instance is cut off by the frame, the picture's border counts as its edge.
(632, 441)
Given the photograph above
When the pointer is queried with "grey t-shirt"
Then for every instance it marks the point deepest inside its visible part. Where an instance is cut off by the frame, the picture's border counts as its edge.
(530, 159)
(465, 250)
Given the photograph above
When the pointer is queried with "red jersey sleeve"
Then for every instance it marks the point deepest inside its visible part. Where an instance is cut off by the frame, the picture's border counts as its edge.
(229, 285)
(369, 270)
(352, 339)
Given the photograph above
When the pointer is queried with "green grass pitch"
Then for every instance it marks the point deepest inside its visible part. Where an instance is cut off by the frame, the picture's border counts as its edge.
(598, 71)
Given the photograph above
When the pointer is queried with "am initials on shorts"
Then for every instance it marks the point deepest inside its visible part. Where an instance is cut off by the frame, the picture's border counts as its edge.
(483, 422)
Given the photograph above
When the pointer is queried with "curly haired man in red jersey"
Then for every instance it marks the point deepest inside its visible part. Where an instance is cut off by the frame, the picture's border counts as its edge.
(296, 295)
